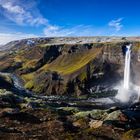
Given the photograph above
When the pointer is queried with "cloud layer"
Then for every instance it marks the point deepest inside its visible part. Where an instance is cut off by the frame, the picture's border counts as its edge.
(26, 13)
(116, 24)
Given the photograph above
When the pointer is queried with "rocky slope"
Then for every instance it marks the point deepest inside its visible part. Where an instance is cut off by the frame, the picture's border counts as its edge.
(53, 66)
(32, 117)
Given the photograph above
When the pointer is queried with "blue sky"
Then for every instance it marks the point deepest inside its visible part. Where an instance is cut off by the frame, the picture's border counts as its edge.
(32, 18)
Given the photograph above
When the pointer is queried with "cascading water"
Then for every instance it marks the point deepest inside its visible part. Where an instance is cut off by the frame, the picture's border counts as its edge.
(124, 92)
(127, 67)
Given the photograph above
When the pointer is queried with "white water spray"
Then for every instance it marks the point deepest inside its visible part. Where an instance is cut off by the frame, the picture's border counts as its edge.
(127, 67)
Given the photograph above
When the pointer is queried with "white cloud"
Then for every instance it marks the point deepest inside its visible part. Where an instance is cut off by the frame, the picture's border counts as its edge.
(79, 30)
(116, 24)
(13, 8)
(26, 12)
(7, 37)
(21, 13)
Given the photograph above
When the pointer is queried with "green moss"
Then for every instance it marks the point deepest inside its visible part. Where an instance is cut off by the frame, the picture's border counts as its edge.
(97, 114)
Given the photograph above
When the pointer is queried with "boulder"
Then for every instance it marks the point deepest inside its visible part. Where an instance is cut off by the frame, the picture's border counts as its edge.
(95, 123)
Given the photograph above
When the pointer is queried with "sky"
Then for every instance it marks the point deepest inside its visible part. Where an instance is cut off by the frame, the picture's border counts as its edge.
(52, 18)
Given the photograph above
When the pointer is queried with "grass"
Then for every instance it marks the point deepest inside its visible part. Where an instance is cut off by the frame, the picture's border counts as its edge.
(67, 64)
(30, 64)
(129, 135)
(18, 59)
(44, 45)
(82, 76)
(19, 56)
(28, 77)
(137, 47)
(29, 84)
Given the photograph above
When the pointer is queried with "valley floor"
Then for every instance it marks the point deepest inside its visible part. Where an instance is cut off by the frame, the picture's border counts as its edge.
(23, 117)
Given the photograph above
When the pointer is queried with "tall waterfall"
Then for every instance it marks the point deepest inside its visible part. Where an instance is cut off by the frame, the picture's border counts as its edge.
(127, 67)
(124, 91)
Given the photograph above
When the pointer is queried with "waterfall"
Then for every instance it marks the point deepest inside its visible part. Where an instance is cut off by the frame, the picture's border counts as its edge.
(127, 67)
(124, 91)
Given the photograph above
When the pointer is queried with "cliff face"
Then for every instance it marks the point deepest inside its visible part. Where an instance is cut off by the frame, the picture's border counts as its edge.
(69, 68)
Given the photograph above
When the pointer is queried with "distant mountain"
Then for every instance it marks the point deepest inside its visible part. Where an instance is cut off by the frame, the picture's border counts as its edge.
(56, 40)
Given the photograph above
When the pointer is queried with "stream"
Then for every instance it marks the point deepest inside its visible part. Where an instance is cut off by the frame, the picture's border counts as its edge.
(90, 101)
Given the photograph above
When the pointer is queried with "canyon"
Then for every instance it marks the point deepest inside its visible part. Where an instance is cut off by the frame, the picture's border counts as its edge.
(67, 86)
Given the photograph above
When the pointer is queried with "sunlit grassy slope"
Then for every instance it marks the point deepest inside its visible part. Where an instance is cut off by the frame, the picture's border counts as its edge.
(67, 64)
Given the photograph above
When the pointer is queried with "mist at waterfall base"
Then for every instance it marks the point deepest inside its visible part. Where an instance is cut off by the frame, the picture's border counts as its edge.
(127, 91)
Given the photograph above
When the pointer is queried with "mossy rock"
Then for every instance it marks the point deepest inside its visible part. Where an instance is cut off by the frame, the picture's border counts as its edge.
(71, 110)
(96, 114)
(113, 115)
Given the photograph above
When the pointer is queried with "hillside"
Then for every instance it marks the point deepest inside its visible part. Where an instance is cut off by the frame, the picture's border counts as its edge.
(52, 66)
